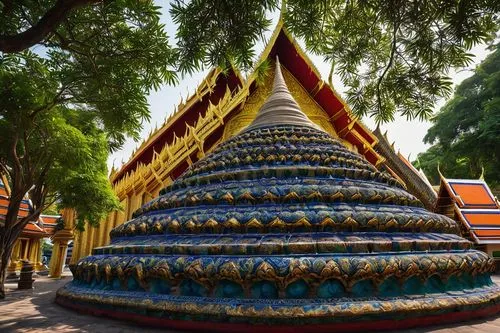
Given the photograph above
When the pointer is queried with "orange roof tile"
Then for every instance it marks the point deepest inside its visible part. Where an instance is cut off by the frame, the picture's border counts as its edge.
(484, 224)
(488, 233)
(472, 193)
(477, 218)
(32, 228)
(49, 219)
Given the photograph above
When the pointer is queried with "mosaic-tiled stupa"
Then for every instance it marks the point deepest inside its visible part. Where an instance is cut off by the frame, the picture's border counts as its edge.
(283, 227)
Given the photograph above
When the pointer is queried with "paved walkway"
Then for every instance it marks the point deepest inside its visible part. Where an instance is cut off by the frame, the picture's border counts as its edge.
(35, 311)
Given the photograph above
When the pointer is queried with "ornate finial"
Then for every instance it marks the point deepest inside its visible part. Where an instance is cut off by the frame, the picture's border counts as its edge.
(280, 107)
(439, 171)
(482, 173)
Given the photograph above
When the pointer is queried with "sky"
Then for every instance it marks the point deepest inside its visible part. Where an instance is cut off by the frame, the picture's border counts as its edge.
(407, 135)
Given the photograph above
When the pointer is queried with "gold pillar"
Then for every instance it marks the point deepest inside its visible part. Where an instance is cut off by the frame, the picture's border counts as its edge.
(135, 203)
(33, 250)
(61, 239)
(39, 266)
(35, 245)
(14, 259)
(90, 240)
(104, 231)
(86, 240)
(121, 214)
(110, 221)
(83, 242)
(77, 247)
(26, 249)
(97, 236)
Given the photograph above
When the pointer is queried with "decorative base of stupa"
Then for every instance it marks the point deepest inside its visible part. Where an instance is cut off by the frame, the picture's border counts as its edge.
(306, 315)
(282, 228)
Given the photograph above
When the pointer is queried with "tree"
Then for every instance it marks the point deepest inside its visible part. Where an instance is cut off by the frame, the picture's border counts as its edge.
(33, 32)
(67, 105)
(466, 132)
(393, 55)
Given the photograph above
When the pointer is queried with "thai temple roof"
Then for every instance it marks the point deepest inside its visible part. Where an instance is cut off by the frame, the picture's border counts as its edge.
(282, 228)
(44, 226)
(223, 93)
(474, 205)
(396, 164)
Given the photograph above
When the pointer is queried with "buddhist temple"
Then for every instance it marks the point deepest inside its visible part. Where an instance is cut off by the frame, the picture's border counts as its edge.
(28, 245)
(222, 105)
(471, 202)
(282, 226)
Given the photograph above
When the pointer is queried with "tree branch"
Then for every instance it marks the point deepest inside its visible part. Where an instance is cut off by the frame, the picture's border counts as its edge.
(389, 65)
(46, 25)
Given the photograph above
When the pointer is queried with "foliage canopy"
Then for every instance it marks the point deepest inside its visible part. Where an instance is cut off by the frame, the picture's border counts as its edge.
(57, 152)
(393, 56)
(70, 99)
(466, 132)
(77, 94)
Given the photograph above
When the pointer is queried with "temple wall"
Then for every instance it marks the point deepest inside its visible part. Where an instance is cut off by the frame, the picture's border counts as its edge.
(130, 201)
(493, 250)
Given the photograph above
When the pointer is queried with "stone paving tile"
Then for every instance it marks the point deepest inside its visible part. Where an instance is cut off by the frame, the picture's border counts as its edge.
(35, 311)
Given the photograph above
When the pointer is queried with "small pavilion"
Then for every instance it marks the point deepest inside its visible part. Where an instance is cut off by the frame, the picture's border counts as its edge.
(29, 244)
(472, 203)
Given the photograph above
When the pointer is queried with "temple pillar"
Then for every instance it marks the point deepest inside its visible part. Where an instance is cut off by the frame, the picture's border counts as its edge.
(14, 260)
(39, 266)
(135, 203)
(83, 242)
(35, 255)
(26, 249)
(104, 231)
(96, 242)
(90, 240)
(33, 250)
(109, 226)
(86, 240)
(61, 239)
(77, 246)
(121, 214)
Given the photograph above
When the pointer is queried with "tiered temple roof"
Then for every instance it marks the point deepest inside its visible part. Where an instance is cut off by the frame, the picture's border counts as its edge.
(199, 123)
(472, 203)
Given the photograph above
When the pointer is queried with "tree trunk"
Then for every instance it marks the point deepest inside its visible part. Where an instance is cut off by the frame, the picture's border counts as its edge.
(5, 252)
(43, 28)
(9, 233)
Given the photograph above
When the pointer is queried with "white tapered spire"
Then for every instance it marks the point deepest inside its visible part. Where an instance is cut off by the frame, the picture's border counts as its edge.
(280, 108)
